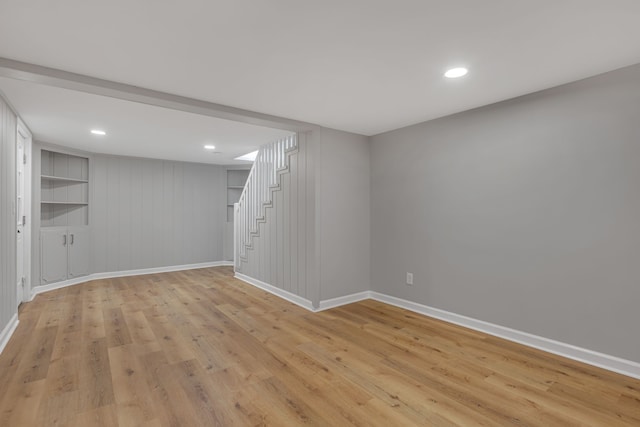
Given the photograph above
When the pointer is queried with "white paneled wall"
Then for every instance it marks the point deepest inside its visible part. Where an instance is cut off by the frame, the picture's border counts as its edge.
(8, 290)
(283, 252)
(153, 213)
(148, 213)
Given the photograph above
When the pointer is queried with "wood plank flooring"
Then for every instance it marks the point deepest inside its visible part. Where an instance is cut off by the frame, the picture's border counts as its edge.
(200, 348)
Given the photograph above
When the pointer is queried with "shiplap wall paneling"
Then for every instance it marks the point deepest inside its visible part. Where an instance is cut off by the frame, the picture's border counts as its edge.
(135, 234)
(148, 223)
(280, 254)
(155, 213)
(294, 221)
(8, 289)
(113, 206)
(100, 213)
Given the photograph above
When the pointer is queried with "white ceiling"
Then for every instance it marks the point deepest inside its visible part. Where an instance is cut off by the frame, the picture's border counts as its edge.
(365, 66)
(66, 117)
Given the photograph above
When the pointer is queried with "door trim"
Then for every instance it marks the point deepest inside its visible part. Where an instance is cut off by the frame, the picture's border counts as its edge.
(23, 131)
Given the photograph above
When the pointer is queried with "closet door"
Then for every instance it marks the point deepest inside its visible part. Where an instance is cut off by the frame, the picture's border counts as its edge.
(53, 250)
(79, 250)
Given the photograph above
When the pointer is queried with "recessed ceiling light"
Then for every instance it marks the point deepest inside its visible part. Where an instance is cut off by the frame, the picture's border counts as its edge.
(210, 147)
(454, 73)
(251, 157)
(98, 132)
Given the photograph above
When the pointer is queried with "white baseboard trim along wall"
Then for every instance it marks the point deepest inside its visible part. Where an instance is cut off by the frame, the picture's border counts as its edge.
(293, 298)
(13, 324)
(8, 330)
(347, 299)
(112, 274)
(605, 361)
(601, 360)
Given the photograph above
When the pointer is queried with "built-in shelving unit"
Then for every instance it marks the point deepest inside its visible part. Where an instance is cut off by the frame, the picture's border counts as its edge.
(64, 217)
(236, 179)
(64, 190)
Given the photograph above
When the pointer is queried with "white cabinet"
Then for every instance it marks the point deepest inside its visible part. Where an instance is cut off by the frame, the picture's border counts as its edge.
(65, 253)
(65, 248)
(53, 248)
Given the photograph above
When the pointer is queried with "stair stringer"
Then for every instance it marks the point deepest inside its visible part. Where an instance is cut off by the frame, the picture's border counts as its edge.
(261, 219)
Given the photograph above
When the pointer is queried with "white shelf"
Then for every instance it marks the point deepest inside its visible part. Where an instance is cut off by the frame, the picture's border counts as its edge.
(236, 187)
(47, 202)
(59, 178)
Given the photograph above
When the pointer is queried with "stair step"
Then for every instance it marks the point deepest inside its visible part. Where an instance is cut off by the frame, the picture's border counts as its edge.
(289, 149)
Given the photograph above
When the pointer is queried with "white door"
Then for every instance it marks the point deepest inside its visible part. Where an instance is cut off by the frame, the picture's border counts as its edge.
(20, 215)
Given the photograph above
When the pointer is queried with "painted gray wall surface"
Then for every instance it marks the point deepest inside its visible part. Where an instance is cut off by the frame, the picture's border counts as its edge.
(153, 213)
(525, 213)
(282, 253)
(344, 212)
(336, 165)
(8, 290)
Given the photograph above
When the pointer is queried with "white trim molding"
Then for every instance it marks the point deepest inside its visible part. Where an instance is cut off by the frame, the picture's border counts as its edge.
(344, 300)
(292, 298)
(112, 274)
(590, 357)
(8, 331)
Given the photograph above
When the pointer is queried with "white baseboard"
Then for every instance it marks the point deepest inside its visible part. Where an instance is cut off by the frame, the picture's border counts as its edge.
(601, 360)
(293, 298)
(8, 330)
(590, 357)
(112, 274)
(347, 299)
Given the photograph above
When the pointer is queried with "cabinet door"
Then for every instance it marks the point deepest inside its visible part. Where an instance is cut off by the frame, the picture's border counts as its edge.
(79, 251)
(53, 254)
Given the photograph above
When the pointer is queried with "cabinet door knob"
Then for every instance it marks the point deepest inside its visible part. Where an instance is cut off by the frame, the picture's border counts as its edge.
(64, 240)
(71, 239)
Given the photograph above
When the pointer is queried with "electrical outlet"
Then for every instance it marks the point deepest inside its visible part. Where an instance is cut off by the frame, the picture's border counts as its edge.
(409, 278)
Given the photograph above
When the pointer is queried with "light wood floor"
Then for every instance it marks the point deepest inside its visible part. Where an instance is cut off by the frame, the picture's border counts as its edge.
(199, 348)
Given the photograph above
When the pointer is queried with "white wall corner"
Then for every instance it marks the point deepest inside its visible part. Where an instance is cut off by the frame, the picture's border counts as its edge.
(8, 331)
(601, 360)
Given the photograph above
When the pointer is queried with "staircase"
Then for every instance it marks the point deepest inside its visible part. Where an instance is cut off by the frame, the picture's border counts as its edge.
(264, 179)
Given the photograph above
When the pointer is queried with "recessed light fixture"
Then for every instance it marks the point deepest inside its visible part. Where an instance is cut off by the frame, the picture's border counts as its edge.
(98, 132)
(454, 73)
(210, 147)
(250, 157)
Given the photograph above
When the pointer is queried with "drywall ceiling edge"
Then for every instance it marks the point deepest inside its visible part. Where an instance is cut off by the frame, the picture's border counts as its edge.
(64, 79)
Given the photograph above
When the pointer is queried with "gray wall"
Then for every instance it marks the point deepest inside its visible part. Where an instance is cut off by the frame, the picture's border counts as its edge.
(283, 253)
(152, 213)
(344, 212)
(326, 194)
(525, 213)
(8, 291)
(147, 213)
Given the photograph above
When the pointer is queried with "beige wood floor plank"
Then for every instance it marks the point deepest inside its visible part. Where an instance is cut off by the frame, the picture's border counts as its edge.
(96, 388)
(200, 348)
